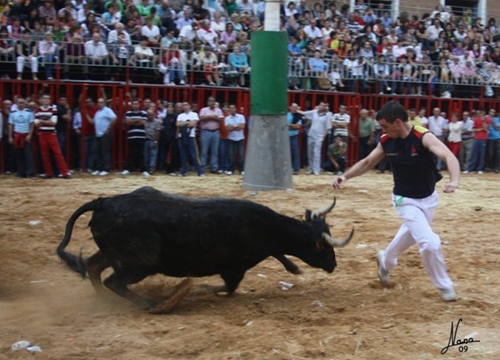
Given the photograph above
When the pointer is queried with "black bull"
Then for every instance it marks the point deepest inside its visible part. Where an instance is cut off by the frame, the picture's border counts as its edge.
(149, 232)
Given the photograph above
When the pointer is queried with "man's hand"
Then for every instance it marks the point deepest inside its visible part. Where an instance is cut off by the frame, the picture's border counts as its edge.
(11, 141)
(339, 180)
(450, 187)
(28, 138)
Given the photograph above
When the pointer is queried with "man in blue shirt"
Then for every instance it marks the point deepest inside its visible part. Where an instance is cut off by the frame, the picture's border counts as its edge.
(493, 143)
(21, 126)
(104, 120)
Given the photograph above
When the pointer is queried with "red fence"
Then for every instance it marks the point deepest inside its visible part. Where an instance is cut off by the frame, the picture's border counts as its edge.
(119, 96)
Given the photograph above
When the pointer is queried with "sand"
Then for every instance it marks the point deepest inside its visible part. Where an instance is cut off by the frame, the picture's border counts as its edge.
(344, 315)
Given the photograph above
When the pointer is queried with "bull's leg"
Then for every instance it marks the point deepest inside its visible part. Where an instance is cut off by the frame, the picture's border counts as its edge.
(231, 280)
(180, 291)
(118, 284)
(289, 265)
(95, 266)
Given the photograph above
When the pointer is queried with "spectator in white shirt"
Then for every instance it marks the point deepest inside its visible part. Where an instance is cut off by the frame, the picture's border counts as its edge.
(433, 31)
(47, 49)
(188, 33)
(217, 24)
(96, 54)
(152, 32)
(312, 31)
(143, 60)
(119, 29)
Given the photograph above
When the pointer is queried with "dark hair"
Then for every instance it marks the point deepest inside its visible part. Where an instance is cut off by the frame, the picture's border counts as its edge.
(392, 111)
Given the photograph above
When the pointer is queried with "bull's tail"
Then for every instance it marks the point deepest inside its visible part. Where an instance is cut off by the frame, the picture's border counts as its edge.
(76, 263)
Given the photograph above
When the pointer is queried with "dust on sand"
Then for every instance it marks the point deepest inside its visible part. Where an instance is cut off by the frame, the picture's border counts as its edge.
(345, 315)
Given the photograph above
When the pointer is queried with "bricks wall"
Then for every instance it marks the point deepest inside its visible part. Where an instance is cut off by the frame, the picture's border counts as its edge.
(421, 6)
(492, 11)
(417, 7)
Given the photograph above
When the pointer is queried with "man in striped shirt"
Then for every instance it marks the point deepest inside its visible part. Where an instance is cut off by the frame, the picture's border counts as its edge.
(135, 120)
(45, 123)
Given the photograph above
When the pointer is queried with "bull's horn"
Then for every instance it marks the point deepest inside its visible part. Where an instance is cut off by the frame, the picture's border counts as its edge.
(326, 210)
(337, 243)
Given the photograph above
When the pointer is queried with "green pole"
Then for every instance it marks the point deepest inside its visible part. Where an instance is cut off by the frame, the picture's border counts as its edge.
(267, 163)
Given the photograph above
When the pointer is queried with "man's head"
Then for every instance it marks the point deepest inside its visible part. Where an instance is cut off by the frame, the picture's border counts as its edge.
(135, 105)
(96, 37)
(186, 107)
(178, 107)
(363, 114)
(436, 111)
(412, 113)
(232, 109)
(21, 103)
(211, 102)
(63, 101)
(342, 109)
(45, 100)
(393, 119)
(101, 103)
(293, 108)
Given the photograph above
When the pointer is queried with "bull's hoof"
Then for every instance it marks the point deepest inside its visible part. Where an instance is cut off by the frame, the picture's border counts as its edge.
(216, 289)
(224, 293)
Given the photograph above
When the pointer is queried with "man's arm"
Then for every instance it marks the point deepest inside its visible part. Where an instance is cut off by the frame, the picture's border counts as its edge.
(361, 166)
(434, 145)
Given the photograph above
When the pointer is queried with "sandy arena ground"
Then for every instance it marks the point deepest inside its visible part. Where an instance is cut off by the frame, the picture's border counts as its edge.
(344, 315)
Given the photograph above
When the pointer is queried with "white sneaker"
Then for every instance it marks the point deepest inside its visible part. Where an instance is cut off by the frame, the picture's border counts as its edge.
(125, 172)
(95, 172)
(242, 173)
(309, 172)
(182, 82)
(146, 174)
(465, 172)
(448, 294)
(228, 172)
(103, 173)
(383, 274)
(480, 172)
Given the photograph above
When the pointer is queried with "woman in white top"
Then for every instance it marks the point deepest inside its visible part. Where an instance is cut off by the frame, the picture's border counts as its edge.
(455, 134)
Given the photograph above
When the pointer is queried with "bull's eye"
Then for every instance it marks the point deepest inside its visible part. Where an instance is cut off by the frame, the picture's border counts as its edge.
(319, 246)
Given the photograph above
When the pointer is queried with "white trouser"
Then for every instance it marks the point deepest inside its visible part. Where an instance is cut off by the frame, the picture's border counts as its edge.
(314, 147)
(417, 215)
(164, 70)
(34, 64)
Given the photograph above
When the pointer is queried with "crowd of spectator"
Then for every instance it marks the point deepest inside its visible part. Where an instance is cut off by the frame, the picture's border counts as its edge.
(443, 52)
(47, 137)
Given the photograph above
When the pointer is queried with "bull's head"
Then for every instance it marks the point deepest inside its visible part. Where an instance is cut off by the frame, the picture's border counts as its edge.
(324, 242)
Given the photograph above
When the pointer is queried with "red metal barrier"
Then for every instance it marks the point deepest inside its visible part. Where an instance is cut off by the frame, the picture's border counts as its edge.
(119, 96)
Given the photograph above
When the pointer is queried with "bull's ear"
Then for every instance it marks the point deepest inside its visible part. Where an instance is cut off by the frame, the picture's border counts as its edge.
(308, 215)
